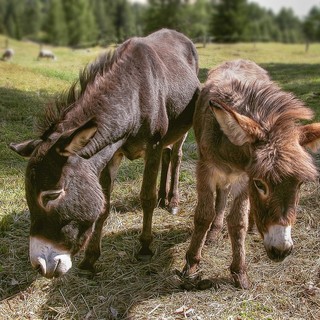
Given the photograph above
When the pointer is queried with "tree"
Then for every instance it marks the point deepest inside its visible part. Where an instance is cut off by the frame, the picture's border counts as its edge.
(311, 26)
(82, 29)
(123, 20)
(2, 15)
(55, 25)
(164, 14)
(289, 25)
(13, 18)
(229, 20)
(196, 19)
(31, 18)
(261, 24)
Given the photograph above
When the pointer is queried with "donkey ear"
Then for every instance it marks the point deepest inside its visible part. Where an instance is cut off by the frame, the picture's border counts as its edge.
(24, 148)
(74, 140)
(310, 136)
(238, 128)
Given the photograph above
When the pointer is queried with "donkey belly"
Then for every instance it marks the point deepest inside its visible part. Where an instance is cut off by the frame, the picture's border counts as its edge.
(235, 179)
(134, 151)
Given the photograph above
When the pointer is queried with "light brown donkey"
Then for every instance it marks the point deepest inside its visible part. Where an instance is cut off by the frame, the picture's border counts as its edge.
(250, 144)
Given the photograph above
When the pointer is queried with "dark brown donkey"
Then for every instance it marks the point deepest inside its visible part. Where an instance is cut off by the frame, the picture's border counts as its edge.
(250, 144)
(131, 103)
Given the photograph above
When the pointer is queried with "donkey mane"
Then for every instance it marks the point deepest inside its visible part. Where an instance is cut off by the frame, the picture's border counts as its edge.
(279, 114)
(270, 106)
(55, 111)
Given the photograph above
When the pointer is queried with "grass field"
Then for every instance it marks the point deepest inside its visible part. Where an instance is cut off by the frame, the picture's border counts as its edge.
(125, 288)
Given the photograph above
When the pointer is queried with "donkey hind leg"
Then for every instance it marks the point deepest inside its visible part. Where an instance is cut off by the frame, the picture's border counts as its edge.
(237, 222)
(163, 187)
(93, 247)
(203, 217)
(220, 206)
(176, 158)
(148, 197)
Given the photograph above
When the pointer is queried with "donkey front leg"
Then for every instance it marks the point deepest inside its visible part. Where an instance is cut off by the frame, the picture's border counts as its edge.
(237, 222)
(148, 197)
(203, 217)
(93, 247)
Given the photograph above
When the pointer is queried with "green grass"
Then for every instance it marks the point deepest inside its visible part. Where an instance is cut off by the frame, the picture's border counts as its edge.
(124, 286)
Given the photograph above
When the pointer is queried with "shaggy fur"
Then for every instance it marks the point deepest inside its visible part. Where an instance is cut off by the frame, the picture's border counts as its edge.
(252, 144)
(132, 103)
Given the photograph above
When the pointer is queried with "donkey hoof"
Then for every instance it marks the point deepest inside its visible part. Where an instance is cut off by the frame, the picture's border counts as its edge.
(86, 265)
(189, 281)
(144, 255)
(174, 210)
(191, 272)
(241, 280)
(162, 203)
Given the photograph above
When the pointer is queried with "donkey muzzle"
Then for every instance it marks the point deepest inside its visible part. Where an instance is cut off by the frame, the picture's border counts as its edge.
(277, 242)
(49, 260)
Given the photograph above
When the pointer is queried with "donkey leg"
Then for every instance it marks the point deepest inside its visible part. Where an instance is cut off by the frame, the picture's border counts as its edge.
(237, 222)
(217, 224)
(176, 158)
(93, 247)
(148, 197)
(252, 226)
(203, 217)
(163, 187)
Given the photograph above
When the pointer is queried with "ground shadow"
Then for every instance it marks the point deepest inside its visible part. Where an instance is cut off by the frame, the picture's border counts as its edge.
(16, 274)
(18, 113)
(300, 79)
(121, 281)
(120, 284)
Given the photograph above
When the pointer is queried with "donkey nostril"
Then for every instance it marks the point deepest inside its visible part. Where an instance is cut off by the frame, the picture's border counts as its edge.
(41, 267)
(38, 269)
(56, 271)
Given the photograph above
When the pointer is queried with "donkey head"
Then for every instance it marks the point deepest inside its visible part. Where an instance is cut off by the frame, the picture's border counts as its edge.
(277, 166)
(63, 195)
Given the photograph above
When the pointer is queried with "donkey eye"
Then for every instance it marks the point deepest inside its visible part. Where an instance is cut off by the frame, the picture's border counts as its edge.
(50, 195)
(261, 186)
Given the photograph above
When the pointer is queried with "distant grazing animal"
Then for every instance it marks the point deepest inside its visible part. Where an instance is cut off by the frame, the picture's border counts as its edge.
(8, 54)
(47, 54)
(131, 103)
(251, 144)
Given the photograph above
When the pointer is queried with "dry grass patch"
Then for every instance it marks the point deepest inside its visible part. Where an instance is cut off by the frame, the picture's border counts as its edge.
(124, 288)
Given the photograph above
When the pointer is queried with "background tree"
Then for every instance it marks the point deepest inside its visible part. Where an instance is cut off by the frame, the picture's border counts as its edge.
(103, 21)
(13, 14)
(123, 20)
(2, 14)
(196, 20)
(229, 21)
(289, 25)
(81, 25)
(31, 18)
(311, 26)
(138, 13)
(88, 22)
(55, 24)
(261, 25)
(164, 14)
